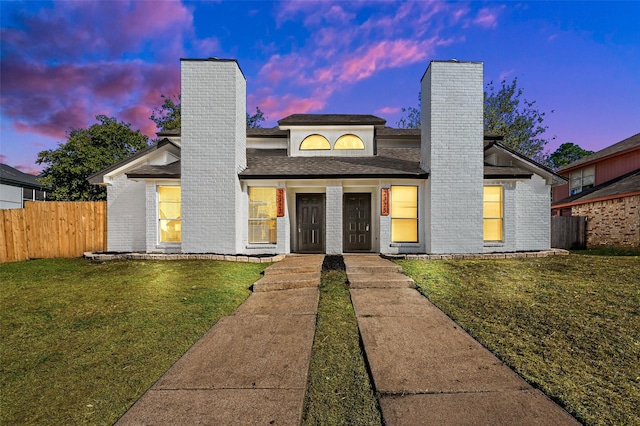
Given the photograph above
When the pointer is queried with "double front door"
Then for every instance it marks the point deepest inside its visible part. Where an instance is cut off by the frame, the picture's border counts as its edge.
(356, 222)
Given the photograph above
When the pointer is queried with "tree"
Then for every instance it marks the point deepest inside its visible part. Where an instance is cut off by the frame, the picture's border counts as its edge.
(87, 151)
(168, 115)
(517, 120)
(566, 154)
(410, 118)
(505, 114)
(253, 121)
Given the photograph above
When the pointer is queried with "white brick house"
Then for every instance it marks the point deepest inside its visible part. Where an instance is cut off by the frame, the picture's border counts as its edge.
(328, 183)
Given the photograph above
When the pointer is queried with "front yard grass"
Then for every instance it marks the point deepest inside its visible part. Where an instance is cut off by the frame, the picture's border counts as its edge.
(338, 389)
(570, 325)
(80, 342)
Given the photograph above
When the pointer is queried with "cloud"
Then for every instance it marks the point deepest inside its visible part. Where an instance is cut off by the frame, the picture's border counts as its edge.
(29, 169)
(3, 159)
(65, 63)
(488, 17)
(388, 110)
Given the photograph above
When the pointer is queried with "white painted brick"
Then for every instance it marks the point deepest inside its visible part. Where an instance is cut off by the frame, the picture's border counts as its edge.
(452, 153)
(126, 215)
(213, 152)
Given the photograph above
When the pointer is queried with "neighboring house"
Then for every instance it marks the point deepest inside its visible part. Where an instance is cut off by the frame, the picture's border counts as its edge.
(17, 187)
(327, 183)
(605, 188)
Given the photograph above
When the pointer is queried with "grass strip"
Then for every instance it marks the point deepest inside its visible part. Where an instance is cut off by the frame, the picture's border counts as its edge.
(338, 390)
(570, 325)
(80, 342)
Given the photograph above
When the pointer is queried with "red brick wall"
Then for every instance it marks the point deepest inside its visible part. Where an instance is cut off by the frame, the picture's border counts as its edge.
(612, 223)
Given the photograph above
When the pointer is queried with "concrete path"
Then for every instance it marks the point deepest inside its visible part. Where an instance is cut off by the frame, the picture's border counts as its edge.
(425, 368)
(251, 367)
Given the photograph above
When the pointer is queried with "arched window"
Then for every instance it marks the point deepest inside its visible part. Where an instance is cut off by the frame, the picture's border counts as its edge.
(349, 142)
(315, 142)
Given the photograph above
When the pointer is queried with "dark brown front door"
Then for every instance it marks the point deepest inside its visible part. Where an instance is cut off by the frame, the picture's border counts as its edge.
(357, 222)
(310, 218)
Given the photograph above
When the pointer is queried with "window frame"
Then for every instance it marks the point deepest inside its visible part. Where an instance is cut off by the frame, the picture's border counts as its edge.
(327, 148)
(159, 202)
(268, 220)
(580, 176)
(394, 217)
(486, 218)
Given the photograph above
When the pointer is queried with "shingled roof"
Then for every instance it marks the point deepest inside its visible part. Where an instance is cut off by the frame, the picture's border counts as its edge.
(15, 177)
(630, 143)
(626, 184)
(274, 163)
(331, 119)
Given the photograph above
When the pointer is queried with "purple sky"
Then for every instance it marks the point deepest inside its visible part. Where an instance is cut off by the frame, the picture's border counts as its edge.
(63, 63)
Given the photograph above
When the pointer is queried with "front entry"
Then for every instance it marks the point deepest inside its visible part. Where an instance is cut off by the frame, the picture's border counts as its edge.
(357, 222)
(310, 219)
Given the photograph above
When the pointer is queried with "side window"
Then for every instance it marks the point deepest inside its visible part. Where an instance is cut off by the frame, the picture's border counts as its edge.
(170, 214)
(493, 212)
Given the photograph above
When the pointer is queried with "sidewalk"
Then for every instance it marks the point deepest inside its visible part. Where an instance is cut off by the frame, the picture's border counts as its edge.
(425, 368)
(250, 367)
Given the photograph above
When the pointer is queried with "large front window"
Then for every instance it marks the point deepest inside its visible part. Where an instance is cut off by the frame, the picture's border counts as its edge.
(493, 213)
(170, 214)
(404, 214)
(262, 215)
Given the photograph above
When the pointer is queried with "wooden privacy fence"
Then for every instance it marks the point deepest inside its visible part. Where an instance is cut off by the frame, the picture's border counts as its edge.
(569, 232)
(52, 229)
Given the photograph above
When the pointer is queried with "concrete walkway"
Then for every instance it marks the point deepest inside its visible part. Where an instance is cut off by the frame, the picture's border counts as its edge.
(249, 368)
(426, 369)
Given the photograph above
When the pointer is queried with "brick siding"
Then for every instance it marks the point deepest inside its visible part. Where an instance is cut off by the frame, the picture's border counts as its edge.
(612, 223)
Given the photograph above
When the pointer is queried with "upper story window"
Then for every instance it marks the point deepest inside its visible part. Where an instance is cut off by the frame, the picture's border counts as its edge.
(315, 142)
(349, 142)
(582, 179)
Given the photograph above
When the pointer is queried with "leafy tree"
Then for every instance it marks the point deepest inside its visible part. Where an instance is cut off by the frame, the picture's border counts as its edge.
(505, 114)
(167, 116)
(410, 118)
(566, 154)
(86, 152)
(517, 120)
(253, 121)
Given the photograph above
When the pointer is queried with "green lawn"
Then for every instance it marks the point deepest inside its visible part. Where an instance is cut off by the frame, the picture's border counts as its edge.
(570, 325)
(80, 342)
(338, 390)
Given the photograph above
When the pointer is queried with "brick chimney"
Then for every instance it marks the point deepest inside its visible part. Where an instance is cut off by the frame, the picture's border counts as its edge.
(213, 152)
(452, 153)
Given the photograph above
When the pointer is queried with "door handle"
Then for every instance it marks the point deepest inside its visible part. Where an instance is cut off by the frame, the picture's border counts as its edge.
(367, 227)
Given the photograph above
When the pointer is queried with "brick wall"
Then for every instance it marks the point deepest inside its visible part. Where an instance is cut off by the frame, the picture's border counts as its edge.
(533, 217)
(612, 223)
(333, 231)
(126, 211)
(452, 153)
(213, 152)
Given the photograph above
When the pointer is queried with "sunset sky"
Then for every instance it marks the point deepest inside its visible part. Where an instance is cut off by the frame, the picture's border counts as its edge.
(64, 62)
